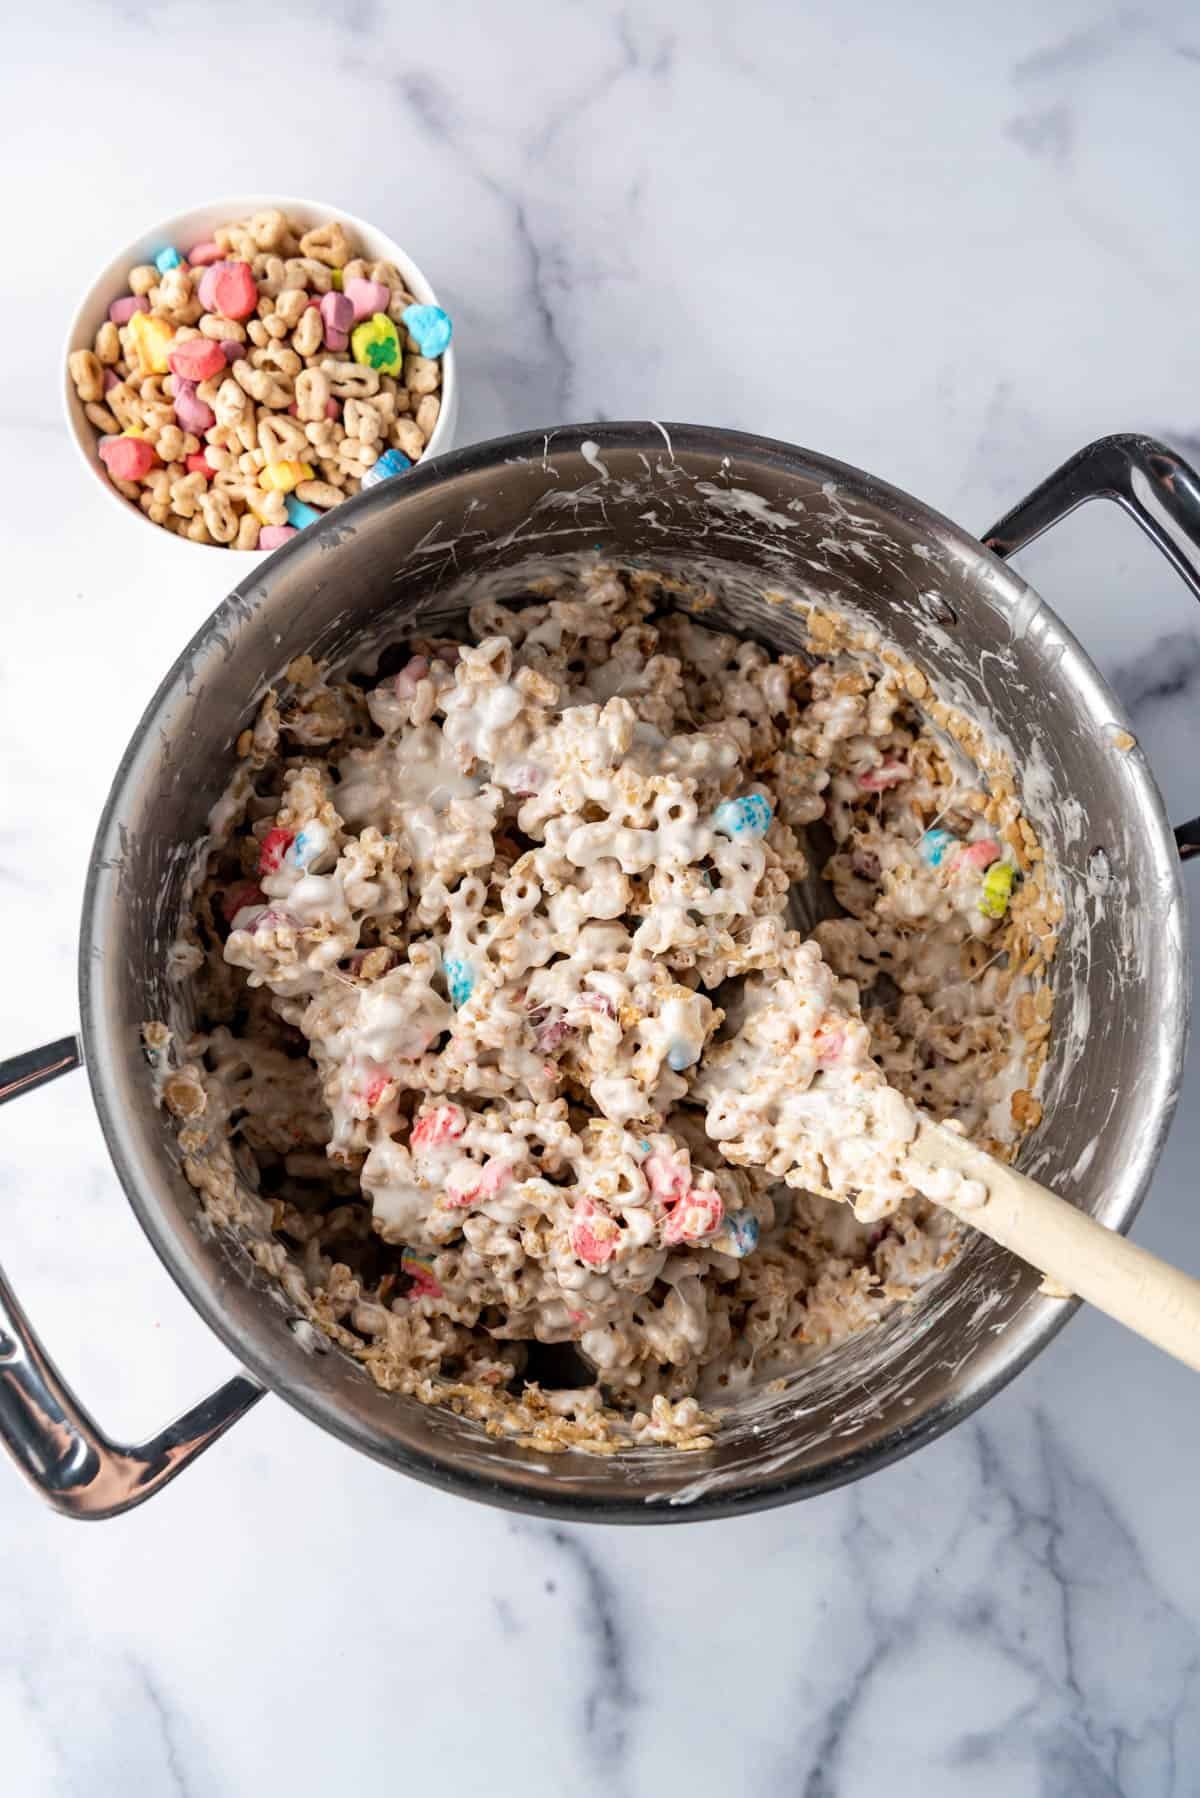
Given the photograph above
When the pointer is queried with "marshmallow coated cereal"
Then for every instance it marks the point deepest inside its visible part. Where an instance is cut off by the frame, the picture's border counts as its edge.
(510, 1049)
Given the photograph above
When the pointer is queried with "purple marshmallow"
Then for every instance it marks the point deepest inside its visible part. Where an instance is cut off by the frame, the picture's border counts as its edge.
(191, 413)
(337, 313)
(121, 311)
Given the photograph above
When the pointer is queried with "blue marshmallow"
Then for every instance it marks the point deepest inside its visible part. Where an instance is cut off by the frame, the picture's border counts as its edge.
(167, 259)
(429, 327)
(298, 513)
(740, 1235)
(391, 462)
(460, 979)
(749, 816)
(934, 844)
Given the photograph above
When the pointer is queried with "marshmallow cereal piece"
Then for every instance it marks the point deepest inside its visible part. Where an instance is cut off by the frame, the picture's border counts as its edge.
(997, 890)
(366, 297)
(979, 855)
(430, 327)
(281, 477)
(190, 411)
(595, 1233)
(934, 844)
(739, 1237)
(128, 458)
(299, 514)
(337, 314)
(309, 844)
(460, 979)
(749, 816)
(195, 359)
(229, 288)
(392, 462)
(375, 344)
(445, 1123)
(419, 1269)
(695, 1217)
(153, 338)
(275, 846)
(122, 310)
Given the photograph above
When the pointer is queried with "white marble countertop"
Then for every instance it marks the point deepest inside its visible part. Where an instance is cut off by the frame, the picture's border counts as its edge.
(950, 252)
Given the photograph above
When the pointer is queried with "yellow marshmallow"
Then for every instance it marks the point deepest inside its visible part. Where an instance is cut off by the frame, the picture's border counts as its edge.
(283, 476)
(152, 338)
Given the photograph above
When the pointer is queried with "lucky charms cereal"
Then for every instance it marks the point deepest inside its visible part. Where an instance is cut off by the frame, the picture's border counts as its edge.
(244, 385)
(510, 1050)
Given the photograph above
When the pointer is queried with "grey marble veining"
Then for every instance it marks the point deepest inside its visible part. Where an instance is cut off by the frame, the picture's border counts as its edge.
(947, 244)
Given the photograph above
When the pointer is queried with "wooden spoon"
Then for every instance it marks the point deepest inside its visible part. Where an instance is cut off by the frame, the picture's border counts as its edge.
(1147, 1295)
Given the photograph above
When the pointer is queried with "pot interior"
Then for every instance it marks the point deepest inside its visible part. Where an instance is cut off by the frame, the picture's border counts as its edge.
(744, 519)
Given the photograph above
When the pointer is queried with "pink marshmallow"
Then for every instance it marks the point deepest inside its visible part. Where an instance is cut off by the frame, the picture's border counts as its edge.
(274, 536)
(667, 1178)
(979, 855)
(414, 670)
(121, 311)
(440, 1126)
(196, 358)
(207, 289)
(201, 254)
(593, 1236)
(230, 289)
(128, 458)
(367, 297)
(888, 774)
(697, 1214)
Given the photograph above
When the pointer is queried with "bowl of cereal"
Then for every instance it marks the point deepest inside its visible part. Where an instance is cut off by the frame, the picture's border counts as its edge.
(534, 895)
(240, 369)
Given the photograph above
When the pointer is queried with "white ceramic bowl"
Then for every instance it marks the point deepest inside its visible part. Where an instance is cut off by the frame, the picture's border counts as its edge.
(183, 230)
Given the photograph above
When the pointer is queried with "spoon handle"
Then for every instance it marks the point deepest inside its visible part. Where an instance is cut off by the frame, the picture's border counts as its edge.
(1147, 1295)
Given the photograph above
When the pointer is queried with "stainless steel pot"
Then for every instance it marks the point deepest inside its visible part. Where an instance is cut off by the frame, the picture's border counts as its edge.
(750, 515)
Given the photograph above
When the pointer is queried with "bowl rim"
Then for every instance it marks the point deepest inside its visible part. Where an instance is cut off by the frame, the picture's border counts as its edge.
(78, 336)
(1029, 1335)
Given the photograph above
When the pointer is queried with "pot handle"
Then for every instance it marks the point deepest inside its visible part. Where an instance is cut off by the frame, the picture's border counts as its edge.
(1155, 486)
(61, 1451)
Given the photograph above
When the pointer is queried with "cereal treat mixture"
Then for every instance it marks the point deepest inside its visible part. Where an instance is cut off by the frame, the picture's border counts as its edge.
(510, 1062)
(244, 386)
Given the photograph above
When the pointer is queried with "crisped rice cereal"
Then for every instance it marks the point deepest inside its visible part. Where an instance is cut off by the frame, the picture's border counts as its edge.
(509, 1046)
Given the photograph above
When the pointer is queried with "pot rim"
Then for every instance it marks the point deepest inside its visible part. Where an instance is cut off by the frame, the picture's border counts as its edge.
(1027, 1335)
